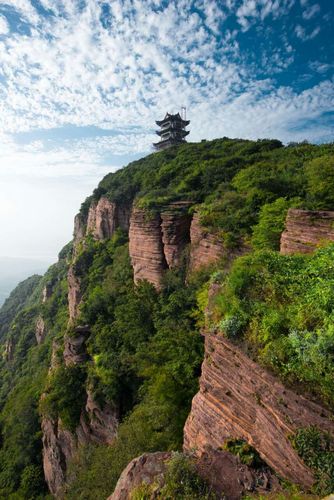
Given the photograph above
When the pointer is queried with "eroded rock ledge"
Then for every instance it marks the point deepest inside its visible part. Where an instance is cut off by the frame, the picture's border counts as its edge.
(305, 230)
(240, 400)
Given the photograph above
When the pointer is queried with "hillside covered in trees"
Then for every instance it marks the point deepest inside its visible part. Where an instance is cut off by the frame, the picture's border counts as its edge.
(100, 361)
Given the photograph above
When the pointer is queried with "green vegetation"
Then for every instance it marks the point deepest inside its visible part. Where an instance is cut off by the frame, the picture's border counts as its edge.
(247, 454)
(283, 307)
(23, 379)
(181, 482)
(144, 348)
(316, 448)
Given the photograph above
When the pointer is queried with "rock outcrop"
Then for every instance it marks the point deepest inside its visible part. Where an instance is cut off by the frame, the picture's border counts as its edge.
(74, 293)
(40, 329)
(305, 230)
(148, 468)
(98, 424)
(175, 226)
(240, 400)
(75, 351)
(157, 241)
(47, 292)
(232, 479)
(79, 229)
(146, 247)
(58, 448)
(8, 352)
(206, 248)
(101, 222)
(104, 217)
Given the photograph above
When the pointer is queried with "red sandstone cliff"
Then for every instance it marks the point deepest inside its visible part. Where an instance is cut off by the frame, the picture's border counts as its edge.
(206, 248)
(146, 247)
(240, 400)
(305, 230)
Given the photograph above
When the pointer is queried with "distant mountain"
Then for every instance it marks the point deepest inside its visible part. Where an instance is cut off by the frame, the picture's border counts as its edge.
(13, 270)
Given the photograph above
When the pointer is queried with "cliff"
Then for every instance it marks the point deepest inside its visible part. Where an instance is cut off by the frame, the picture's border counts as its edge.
(305, 230)
(240, 400)
(126, 360)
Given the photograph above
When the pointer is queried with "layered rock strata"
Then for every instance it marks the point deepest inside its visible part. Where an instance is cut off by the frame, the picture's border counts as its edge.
(175, 227)
(146, 247)
(305, 230)
(206, 248)
(157, 241)
(240, 400)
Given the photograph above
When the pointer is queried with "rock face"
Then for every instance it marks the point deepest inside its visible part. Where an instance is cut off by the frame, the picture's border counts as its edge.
(97, 424)
(75, 351)
(206, 248)
(146, 247)
(240, 400)
(305, 230)
(147, 468)
(40, 330)
(74, 294)
(79, 228)
(101, 220)
(157, 241)
(47, 292)
(58, 448)
(104, 217)
(229, 477)
(8, 350)
(175, 226)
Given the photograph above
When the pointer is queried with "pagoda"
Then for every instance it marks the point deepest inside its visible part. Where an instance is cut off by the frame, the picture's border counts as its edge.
(172, 131)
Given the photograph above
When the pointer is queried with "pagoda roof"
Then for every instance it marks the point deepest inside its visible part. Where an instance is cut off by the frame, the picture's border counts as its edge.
(170, 117)
(179, 131)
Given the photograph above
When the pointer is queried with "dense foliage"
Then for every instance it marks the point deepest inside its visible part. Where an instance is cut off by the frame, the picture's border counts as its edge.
(144, 347)
(283, 307)
(317, 450)
(23, 376)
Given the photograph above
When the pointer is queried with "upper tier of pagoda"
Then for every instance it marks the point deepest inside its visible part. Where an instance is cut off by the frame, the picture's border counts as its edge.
(172, 131)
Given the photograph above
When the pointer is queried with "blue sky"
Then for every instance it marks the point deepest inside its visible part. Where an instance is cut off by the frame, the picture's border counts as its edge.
(81, 83)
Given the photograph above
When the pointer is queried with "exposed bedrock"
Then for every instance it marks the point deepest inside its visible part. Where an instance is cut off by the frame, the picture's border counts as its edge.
(104, 217)
(98, 424)
(175, 226)
(206, 248)
(305, 230)
(157, 241)
(148, 468)
(74, 293)
(40, 329)
(146, 247)
(79, 228)
(240, 400)
(101, 222)
(75, 351)
(58, 448)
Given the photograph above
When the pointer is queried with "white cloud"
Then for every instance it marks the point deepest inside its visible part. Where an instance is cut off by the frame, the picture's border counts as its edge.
(311, 11)
(123, 73)
(4, 26)
(302, 34)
